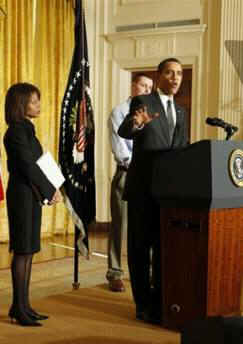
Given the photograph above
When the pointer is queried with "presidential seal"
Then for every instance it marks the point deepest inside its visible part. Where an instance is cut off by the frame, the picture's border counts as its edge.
(236, 167)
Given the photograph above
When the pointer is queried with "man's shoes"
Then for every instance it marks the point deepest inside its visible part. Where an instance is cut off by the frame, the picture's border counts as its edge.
(152, 318)
(140, 316)
(148, 316)
(116, 285)
(140, 313)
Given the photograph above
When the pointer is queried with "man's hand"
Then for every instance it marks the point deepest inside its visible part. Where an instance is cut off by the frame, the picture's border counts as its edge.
(141, 117)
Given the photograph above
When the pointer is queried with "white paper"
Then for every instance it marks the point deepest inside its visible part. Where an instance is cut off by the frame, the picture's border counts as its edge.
(51, 170)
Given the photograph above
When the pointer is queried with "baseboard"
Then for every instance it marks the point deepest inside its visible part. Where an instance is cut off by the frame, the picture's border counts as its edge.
(99, 227)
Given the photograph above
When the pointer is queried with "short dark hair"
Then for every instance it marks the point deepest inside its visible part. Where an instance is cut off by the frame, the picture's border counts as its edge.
(16, 101)
(140, 75)
(162, 64)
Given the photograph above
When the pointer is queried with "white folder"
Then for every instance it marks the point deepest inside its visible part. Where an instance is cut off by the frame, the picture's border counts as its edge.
(51, 170)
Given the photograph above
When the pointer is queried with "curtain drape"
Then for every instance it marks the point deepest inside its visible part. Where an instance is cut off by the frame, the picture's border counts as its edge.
(53, 52)
(36, 45)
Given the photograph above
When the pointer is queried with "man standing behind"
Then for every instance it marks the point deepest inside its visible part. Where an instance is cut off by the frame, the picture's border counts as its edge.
(156, 124)
(122, 151)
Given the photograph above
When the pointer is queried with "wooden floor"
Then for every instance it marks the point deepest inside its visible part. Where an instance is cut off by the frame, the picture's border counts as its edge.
(90, 315)
(53, 268)
(76, 315)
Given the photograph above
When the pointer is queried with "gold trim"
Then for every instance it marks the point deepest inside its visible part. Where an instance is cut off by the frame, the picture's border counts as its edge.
(236, 172)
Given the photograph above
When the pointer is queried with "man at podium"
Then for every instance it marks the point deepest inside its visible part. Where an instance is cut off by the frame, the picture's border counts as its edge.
(155, 124)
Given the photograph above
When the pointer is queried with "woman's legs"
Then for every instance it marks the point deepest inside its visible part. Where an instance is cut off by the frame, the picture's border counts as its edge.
(27, 282)
(29, 310)
(19, 277)
(18, 280)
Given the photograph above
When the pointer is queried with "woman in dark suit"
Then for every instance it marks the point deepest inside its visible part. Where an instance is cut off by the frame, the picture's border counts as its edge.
(22, 104)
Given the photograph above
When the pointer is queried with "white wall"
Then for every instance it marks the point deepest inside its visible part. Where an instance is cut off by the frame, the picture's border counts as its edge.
(131, 12)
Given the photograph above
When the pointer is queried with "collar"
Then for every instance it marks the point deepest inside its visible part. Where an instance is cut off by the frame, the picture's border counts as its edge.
(28, 124)
(164, 96)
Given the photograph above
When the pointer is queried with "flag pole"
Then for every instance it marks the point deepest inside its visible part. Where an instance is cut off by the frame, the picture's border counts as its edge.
(76, 283)
(76, 145)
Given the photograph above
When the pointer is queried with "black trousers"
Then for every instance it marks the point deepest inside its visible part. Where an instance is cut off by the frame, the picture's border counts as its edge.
(144, 235)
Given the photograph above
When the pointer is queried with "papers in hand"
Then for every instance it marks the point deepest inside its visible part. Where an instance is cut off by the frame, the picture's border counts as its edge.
(51, 170)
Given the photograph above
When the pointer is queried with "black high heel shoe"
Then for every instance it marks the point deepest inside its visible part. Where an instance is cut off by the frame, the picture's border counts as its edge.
(36, 316)
(22, 318)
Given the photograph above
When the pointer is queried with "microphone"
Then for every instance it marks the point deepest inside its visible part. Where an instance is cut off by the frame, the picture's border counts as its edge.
(217, 122)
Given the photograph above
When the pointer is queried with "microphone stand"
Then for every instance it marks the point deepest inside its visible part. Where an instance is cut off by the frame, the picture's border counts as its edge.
(230, 131)
(228, 128)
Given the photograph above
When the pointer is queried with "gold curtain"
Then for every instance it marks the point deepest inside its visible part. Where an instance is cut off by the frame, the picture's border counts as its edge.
(16, 56)
(53, 53)
(36, 40)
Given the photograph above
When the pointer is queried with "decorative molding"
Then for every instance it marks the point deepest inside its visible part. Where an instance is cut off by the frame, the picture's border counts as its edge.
(155, 32)
(143, 64)
(174, 23)
(156, 43)
(153, 47)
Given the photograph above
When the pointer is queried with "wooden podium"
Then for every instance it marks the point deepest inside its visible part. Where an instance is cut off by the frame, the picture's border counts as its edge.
(201, 231)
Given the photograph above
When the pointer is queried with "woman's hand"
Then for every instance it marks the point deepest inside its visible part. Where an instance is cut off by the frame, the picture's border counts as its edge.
(57, 197)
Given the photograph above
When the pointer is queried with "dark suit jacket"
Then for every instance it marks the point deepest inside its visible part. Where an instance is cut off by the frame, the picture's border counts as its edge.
(153, 139)
(24, 211)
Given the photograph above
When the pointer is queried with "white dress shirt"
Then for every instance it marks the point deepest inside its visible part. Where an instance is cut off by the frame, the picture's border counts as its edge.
(164, 99)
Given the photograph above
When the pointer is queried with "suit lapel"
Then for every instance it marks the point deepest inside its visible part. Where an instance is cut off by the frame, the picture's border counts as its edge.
(162, 118)
(179, 115)
(179, 119)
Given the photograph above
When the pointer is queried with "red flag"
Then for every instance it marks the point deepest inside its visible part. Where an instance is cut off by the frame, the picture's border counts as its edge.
(80, 135)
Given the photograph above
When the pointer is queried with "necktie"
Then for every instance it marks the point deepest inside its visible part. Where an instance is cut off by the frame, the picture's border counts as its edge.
(170, 120)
